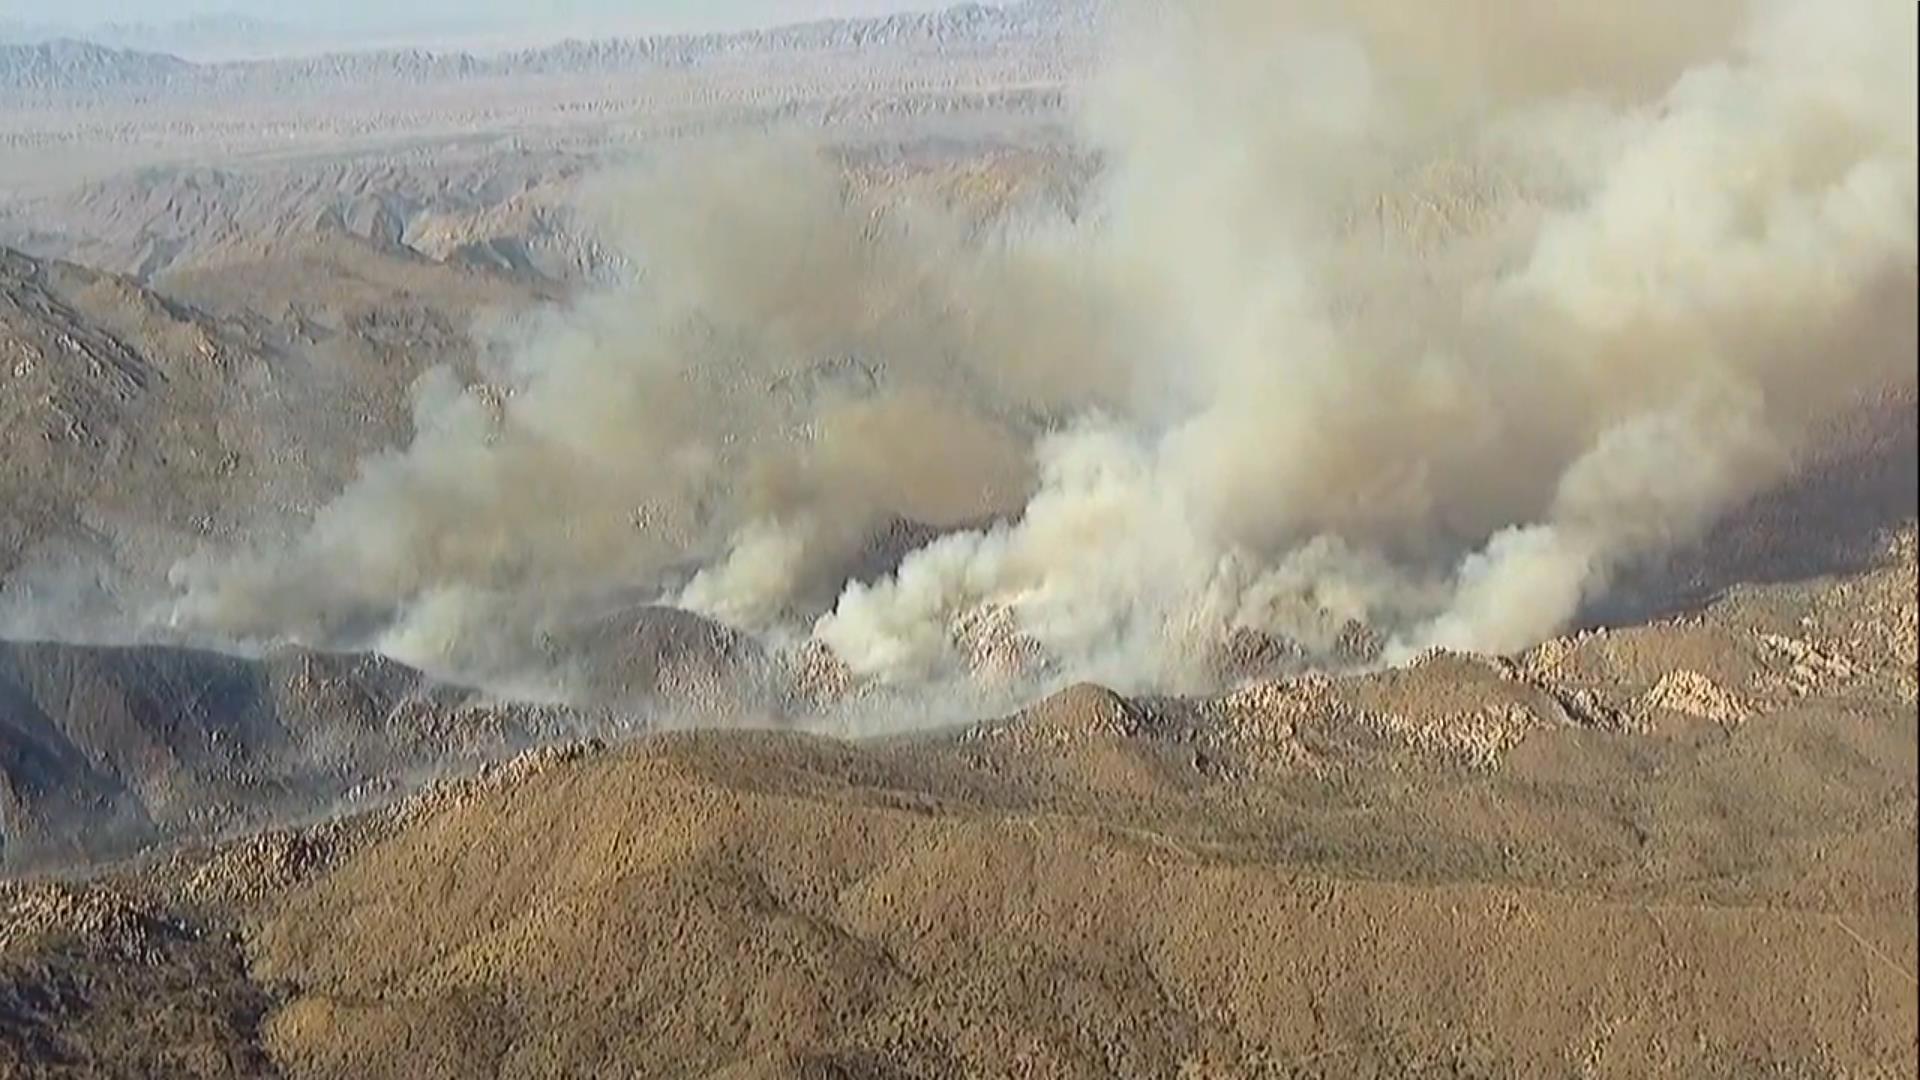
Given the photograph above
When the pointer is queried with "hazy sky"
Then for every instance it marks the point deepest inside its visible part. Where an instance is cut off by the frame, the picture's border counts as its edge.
(399, 15)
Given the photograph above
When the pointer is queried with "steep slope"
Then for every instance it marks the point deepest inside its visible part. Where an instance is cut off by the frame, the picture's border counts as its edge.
(104, 751)
(115, 747)
(114, 404)
(141, 428)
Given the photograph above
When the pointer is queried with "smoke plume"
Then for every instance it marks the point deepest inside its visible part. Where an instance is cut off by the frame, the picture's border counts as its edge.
(1405, 322)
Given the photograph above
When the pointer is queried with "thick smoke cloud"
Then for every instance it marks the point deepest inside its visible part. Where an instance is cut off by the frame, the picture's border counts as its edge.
(1405, 322)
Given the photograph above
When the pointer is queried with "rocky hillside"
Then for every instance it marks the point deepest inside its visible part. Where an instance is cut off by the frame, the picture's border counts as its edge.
(108, 749)
(141, 426)
(112, 400)
(1683, 849)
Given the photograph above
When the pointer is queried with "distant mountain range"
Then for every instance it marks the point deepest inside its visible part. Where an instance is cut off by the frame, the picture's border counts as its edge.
(66, 70)
(71, 65)
(201, 37)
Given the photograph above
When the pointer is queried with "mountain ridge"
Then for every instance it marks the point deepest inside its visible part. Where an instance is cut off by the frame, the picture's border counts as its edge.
(65, 69)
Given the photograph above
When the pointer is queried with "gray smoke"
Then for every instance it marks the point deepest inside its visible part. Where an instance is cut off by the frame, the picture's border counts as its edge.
(1427, 318)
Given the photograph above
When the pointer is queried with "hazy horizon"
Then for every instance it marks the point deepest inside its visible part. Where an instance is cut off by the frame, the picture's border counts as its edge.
(448, 23)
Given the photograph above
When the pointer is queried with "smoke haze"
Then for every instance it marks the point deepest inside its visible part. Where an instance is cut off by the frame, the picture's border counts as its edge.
(1413, 324)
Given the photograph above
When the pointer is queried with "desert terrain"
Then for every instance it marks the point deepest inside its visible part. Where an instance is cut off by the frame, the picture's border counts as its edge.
(1059, 539)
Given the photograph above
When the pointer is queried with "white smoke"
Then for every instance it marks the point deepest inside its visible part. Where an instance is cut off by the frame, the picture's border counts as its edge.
(1427, 318)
